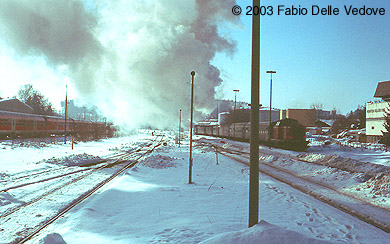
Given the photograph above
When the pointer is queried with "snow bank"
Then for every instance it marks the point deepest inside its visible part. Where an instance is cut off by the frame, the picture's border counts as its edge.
(263, 232)
(377, 186)
(53, 238)
(347, 164)
(74, 160)
(159, 162)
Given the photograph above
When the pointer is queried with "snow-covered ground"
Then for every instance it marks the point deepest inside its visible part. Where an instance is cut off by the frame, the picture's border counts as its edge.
(366, 152)
(153, 203)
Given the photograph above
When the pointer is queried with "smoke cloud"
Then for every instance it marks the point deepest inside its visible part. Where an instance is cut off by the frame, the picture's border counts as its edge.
(132, 59)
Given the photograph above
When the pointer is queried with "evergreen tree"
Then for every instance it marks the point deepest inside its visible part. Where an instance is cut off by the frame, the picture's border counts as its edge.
(386, 124)
(360, 115)
(386, 134)
(340, 123)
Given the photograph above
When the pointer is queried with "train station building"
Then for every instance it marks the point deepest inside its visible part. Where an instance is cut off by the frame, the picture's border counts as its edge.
(14, 105)
(375, 112)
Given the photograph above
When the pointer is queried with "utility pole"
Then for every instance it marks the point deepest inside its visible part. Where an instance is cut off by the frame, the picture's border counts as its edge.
(217, 109)
(192, 110)
(270, 108)
(218, 118)
(179, 126)
(254, 141)
(234, 113)
(66, 107)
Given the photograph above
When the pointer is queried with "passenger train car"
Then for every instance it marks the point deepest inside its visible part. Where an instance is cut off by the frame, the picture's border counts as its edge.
(14, 124)
(286, 133)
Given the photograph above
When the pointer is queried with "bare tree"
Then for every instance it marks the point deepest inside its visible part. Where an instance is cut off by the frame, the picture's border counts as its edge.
(317, 106)
(334, 113)
(35, 99)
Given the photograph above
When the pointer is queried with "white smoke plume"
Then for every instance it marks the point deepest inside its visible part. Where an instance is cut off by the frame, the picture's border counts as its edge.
(132, 59)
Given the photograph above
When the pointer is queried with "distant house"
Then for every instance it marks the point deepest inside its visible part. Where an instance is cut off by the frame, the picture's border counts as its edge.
(306, 117)
(264, 114)
(209, 122)
(375, 112)
(358, 135)
(80, 113)
(14, 105)
(383, 90)
(325, 114)
(324, 123)
(321, 127)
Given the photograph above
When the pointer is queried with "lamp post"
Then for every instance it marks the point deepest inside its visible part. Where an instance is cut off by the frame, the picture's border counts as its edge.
(192, 109)
(66, 108)
(179, 126)
(254, 141)
(234, 113)
(270, 107)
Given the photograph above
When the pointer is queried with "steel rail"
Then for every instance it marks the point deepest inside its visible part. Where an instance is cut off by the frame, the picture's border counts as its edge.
(385, 226)
(30, 175)
(84, 196)
(109, 164)
(11, 179)
(278, 154)
(52, 191)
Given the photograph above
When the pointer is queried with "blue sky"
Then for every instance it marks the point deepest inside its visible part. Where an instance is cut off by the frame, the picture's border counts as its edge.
(333, 60)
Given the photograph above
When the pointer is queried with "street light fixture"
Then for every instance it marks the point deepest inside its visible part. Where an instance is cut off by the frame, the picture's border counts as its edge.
(270, 107)
(234, 113)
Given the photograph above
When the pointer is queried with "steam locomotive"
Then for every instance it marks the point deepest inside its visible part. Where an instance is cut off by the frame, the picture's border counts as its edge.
(13, 124)
(285, 133)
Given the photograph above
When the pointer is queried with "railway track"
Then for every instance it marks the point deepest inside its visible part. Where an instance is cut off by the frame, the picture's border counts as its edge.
(7, 179)
(367, 212)
(50, 203)
(25, 179)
